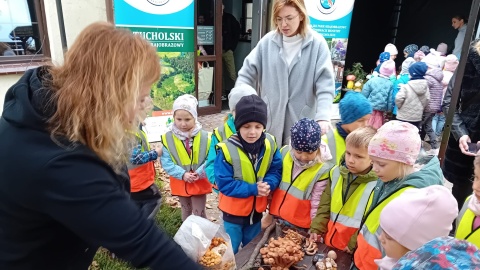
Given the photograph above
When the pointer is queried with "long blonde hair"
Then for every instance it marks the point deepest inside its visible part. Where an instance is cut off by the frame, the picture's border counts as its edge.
(99, 82)
(299, 5)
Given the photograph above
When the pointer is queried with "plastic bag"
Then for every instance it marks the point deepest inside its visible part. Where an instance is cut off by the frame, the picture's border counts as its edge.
(195, 237)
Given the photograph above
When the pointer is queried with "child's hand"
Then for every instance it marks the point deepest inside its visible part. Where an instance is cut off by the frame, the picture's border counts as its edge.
(346, 249)
(316, 237)
(189, 177)
(195, 176)
(263, 189)
(159, 149)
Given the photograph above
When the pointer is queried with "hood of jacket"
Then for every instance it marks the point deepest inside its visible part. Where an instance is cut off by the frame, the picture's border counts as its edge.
(435, 73)
(420, 87)
(26, 101)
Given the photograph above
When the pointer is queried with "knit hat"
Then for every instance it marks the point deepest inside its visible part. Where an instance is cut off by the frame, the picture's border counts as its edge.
(387, 68)
(418, 56)
(406, 64)
(305, 135)
(425, 49)
(237, 93)
(432, 59)
(384, 56)
(396, 140)
(442, 48)
(443, 253)
(391, 49)
(419, 215)
(451, 62)
(188, 103)
(411, 49)
(417, 70)
(250, 109)
(353, 106)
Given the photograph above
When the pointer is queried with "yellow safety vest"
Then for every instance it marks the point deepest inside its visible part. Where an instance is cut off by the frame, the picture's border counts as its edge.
(346, 217)
(223, 132)
(465, 229)
(336, 144)
(243, 170)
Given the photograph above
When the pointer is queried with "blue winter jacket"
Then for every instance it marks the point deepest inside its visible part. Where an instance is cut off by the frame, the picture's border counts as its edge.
(379, 91)
(402, 79)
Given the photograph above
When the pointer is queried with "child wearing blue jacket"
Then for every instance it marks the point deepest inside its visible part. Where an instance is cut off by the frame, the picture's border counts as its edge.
(248, 167)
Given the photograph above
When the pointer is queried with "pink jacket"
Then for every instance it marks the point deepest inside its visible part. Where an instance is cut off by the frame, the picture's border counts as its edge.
(317, 192)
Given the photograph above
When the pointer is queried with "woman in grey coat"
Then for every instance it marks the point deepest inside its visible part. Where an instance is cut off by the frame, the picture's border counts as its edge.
(293, 68)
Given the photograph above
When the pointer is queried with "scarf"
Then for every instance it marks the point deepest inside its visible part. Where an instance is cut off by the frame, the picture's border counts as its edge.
(253, 149)
(386, 263)
(186, 135)
(474, 205)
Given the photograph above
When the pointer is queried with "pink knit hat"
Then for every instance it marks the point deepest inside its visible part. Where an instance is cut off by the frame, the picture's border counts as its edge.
(451, 62)
(418, 216)
(387, 68)
(396, 140)
(418, 56)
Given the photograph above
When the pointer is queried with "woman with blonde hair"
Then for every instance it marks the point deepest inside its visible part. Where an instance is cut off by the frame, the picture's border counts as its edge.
(66, 133)
(293, 67)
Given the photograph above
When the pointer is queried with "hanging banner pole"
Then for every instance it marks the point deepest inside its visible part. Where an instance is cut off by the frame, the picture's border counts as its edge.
(458, 77)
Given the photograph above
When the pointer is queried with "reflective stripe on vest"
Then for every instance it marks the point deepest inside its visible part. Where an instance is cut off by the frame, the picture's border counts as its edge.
(243, 170)
(336, 144)
(223, 132)
(465, 221)
(369, 247)
(179, 154)
(346, 217)
(142, 176)
(291, 200)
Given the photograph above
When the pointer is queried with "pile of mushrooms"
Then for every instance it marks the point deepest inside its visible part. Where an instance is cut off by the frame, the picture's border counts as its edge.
(294, 236)
(329, 263)
(310, 247)
(281, 253)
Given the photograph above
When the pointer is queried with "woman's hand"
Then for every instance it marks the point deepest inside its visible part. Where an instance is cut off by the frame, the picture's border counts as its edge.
(463, 145)
(325, 126)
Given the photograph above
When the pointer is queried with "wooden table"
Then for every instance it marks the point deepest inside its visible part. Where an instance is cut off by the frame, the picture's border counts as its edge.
(344, 260)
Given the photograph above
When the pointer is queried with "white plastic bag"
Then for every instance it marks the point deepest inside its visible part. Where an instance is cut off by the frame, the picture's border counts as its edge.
(195, 236)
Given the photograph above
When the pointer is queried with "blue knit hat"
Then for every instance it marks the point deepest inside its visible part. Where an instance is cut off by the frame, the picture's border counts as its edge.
(411, 49)
(354, 106)
(441, 253)
(305, 135)
(417, 70)
(384, 56)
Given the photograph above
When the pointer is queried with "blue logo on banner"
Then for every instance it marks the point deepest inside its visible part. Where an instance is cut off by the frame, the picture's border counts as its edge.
(326, 6)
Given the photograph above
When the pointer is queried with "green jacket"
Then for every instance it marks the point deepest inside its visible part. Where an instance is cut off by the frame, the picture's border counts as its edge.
(320, 222)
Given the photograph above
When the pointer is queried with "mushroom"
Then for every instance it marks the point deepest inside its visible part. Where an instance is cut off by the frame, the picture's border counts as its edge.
(332, 254)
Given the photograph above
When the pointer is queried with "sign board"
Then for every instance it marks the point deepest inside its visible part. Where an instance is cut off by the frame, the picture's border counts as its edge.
(205, 35)
(157, 125)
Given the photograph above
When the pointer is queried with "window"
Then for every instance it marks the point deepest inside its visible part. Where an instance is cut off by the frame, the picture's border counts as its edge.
(23, 35)
(247, 16)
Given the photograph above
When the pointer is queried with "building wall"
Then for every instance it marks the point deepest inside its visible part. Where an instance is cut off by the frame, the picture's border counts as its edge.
(77, 15)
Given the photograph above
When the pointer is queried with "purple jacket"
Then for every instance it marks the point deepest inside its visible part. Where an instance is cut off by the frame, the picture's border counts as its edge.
(434, 79)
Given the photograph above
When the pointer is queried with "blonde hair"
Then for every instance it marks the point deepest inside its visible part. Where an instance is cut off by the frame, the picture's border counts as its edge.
(101, 79)
(361, 137)
(299, 5)
(403, 169)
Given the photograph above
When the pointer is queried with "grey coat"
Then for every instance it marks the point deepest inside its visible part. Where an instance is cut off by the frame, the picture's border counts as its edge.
(303, 89)
(411, 100)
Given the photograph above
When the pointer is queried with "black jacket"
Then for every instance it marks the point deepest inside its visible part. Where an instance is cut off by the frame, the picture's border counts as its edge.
(230, 32)
(59, 204)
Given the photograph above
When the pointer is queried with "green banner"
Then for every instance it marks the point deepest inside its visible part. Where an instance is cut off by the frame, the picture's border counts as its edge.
(167, 39)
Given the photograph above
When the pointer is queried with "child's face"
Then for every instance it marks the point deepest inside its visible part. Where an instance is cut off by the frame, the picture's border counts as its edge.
(361, 122)
(184, 120)
(357, 159)
(387, 170)
(392, 248)
(251, 131)
(476, 183)
(304, 157)
(405, 54)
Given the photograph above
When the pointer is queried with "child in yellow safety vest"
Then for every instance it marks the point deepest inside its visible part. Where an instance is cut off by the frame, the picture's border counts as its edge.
(342, 205)
(468, 221)
(394, 151)
(355, 112)
(248, 167)
(226, 130)
(185, 151)
(304, 176)
(414, 218)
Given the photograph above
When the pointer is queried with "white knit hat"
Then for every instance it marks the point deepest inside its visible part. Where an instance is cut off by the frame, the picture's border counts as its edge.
(391, 49)
(237, 93)
(188, 103)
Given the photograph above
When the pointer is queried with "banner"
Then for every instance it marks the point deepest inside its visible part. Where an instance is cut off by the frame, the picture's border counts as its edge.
(169, 26)
(332, 18)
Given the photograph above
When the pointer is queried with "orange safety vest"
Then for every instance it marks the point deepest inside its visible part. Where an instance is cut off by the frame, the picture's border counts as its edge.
(291, 200)
(141, 176)
(368, 245)
(345, 217)
(243, 170)
(464, 223)
(190, 163)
